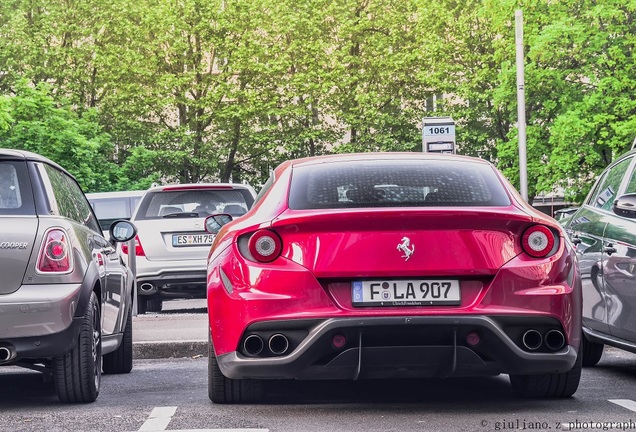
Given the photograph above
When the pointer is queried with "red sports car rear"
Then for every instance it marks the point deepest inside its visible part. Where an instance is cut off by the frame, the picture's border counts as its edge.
(391, 266)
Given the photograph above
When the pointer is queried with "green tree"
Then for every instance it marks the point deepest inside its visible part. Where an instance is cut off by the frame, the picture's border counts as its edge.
(35, 122)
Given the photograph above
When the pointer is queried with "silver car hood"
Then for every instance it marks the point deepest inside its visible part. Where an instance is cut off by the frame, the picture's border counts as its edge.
(17, 236)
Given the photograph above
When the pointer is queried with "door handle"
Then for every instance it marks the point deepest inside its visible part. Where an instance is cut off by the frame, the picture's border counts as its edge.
(609, 249)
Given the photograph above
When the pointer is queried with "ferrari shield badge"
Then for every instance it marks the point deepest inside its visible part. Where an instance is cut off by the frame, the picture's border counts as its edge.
(406, 248)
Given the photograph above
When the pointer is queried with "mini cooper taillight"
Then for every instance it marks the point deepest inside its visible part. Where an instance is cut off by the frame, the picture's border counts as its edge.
(537, 241)
(55, 256)
(139, 250)
(265, 245)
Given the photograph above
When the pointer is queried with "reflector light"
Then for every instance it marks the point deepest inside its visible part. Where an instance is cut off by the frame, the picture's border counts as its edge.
(537, 241)
(339, 340)
(54, 254)
(265, 245)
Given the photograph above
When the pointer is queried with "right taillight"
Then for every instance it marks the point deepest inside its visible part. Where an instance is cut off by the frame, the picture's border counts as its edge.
(139, 250)
(265, 245)
(55, 255)
(537, 241)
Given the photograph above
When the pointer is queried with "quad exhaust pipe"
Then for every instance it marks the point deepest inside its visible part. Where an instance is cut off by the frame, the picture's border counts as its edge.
(253, 345)
(532, 340)
(278, 344)
(554, 340)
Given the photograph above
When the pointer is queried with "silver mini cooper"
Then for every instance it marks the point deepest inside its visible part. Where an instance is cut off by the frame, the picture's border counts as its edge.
(65, 292)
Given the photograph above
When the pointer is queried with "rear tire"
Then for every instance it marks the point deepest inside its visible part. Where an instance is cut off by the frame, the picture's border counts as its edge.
(77, 374)
(121, 360)
(224, 390)
(549, 385)
(154, 304)
(592, 352)
(141, 305)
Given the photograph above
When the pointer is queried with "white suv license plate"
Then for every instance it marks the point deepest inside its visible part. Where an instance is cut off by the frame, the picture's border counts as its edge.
(179, 240)
(423, 292)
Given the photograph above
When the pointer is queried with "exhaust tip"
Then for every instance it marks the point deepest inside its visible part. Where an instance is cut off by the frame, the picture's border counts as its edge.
(6, 354)
(532, 339)
(146, 287)
(253, 345)
(278, 344)
(555, 340)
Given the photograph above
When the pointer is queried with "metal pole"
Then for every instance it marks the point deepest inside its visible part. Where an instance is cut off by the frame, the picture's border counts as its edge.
(132, 264)
(521, 106)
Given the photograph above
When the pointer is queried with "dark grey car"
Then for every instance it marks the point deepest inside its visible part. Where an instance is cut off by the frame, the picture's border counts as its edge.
(65, 292)
(604, 233)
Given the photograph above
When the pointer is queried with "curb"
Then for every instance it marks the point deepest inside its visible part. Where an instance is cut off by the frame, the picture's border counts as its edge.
(159, 350)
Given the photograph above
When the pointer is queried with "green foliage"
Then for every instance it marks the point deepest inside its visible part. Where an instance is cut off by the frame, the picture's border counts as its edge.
(156, 91)
(36, 123)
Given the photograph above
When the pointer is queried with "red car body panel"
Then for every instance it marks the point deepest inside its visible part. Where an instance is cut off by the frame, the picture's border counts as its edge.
(324, 250)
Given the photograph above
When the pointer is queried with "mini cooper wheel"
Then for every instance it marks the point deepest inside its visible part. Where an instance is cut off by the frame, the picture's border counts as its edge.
(592, 351)
(224, 390)
(549, 385)
(121, 360)
(77, 374)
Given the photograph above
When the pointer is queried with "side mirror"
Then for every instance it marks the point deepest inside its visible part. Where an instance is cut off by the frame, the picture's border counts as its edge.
(122, 231)
(625, 205)
(215, 222)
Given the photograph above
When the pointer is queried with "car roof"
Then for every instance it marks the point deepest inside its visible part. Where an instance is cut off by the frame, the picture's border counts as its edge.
(6, 153)
(396, 156)
(115, 194)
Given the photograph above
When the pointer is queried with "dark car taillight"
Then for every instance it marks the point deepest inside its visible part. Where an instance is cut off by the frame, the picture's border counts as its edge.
(55, 254)
(537, 241)
(265, 245)
(139, 250)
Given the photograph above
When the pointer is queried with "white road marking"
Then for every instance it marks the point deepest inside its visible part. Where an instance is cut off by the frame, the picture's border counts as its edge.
(160, 418)
(625, 403)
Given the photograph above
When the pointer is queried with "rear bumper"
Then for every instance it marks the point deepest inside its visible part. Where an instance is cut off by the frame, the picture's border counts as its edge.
(37, 321)
(172, 278)
(399, 347)
(36, 310)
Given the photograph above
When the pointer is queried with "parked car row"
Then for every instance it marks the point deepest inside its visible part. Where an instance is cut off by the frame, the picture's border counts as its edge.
(360, 266)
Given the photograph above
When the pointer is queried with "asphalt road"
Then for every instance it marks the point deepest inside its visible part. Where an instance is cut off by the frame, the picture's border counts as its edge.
(171, 394)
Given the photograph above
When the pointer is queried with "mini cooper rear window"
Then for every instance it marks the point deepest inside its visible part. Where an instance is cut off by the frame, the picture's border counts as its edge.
(16, 197)
(395, 184)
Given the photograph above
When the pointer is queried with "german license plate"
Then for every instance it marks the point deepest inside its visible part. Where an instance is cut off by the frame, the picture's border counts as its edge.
(179, 240)
(422, 292)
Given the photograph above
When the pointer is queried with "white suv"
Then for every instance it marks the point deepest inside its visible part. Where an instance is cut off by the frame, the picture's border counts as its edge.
(172, 244)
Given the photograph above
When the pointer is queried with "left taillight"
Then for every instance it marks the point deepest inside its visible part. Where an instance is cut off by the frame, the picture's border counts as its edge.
(538, 241)
(55, 256)
(139, 249)
(265, 245)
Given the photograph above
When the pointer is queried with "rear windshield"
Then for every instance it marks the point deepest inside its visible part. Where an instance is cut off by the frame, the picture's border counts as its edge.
(194, 203)
(108, 210)
(16, 196)
(396, 184)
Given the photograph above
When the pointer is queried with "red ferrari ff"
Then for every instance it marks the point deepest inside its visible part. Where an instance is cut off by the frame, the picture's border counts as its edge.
(391, 265)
